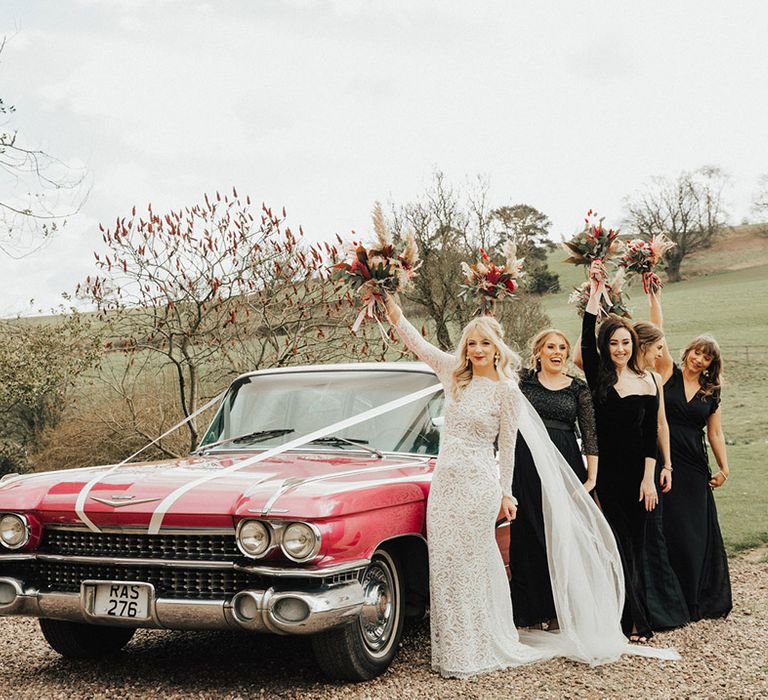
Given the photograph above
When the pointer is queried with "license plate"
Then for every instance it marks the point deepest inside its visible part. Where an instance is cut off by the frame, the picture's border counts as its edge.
(121, 601)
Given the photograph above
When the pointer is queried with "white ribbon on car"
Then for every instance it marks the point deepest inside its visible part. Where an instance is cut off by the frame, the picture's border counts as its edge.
(157, 517)
(83, 495)
(165, 505)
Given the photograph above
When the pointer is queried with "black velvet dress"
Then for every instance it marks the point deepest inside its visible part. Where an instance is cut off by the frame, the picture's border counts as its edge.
(530, 586)
(626, 436)
(694, 541)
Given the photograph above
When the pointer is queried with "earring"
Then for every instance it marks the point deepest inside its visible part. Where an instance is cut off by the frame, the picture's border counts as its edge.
(496, 359)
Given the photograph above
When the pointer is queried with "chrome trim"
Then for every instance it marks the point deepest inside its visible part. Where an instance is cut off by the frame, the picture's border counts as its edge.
(122, 561)
(16, 557)
(122, 502)
(273, 510)
(143, 530)
(315, 549)
(282, 572)
(10, 607)
(27, 530)
(284, 485)
(294, 482)
(279, 572)
(329, 607)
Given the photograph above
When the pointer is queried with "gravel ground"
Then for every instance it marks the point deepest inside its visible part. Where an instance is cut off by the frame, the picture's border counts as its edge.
(721, 659)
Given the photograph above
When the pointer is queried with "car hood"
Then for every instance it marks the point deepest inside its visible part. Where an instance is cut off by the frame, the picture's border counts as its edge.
(307, 485)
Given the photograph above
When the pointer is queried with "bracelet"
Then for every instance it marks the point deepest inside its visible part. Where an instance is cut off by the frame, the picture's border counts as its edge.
(668, 468)
(724, 475)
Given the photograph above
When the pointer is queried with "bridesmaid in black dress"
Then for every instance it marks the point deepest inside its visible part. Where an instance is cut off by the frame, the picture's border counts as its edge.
(627, 413)
(666, 603)
(561, 401)
(694, 541)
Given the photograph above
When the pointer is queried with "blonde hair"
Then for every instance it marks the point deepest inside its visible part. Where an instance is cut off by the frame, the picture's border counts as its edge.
(537, 345)
(507, 361)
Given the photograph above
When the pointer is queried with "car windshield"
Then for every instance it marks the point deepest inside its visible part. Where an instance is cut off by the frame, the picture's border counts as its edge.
(272, 409)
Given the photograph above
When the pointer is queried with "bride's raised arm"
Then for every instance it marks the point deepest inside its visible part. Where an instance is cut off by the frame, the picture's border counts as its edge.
(440, 361)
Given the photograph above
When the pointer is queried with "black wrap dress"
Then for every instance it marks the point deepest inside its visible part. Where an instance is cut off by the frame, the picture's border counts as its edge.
(560, 410)
(627, 433)
(691, 528)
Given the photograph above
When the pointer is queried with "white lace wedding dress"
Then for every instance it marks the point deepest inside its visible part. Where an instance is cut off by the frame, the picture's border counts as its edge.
(472, 625)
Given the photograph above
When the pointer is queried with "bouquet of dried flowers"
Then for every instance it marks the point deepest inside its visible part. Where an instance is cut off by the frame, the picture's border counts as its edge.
(486, 282)
(641, 256)
(379, 269)
(613, 302)
(593, 242)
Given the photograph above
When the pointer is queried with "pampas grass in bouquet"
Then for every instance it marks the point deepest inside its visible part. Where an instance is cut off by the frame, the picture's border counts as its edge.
(487, 283)
(376, 270)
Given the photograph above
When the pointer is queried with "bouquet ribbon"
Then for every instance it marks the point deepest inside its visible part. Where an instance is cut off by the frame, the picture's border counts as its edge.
(366, 312)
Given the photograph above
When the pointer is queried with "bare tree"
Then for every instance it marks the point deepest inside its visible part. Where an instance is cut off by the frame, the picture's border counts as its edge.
(760, 198)
(212, 289)
(689, 210)
(441, 226)
(39, 191)
(450, 226)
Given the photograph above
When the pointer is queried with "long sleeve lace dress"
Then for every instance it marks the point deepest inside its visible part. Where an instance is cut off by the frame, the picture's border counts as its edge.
(468, 585)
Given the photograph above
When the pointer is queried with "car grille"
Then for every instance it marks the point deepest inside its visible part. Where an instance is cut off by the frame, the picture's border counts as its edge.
(194, 547)
(187, 583)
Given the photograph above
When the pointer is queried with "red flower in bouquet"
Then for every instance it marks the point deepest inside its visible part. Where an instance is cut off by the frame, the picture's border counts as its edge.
(643, 256)
(613, 302)
(593, 242)
(486, 282)
(379, 269)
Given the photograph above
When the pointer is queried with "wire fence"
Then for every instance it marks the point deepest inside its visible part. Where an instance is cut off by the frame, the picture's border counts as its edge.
(736, 353)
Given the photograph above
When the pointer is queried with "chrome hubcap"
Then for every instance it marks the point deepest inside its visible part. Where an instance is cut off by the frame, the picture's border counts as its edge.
(377, 619)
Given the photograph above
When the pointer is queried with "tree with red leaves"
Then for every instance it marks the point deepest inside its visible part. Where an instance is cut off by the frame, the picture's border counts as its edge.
(214, 290)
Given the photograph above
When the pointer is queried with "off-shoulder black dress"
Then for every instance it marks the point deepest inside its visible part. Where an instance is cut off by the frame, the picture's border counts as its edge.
(695, 544)
(560, 410)
(627, 434)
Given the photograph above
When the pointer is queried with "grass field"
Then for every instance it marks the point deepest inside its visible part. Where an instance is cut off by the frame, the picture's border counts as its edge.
(733, 306)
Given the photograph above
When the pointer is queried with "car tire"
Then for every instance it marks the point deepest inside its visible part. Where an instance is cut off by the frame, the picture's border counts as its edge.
(75, 640)
(365, 648)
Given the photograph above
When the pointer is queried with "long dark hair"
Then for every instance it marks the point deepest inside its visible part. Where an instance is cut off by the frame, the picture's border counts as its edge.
(607, 376)
(712, 378)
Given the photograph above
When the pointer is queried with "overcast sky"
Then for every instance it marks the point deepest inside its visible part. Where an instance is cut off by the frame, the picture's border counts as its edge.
(325, 106)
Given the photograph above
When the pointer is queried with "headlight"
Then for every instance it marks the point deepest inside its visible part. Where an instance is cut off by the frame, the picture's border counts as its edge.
(253, 538)
(14, 531)
(300, 541)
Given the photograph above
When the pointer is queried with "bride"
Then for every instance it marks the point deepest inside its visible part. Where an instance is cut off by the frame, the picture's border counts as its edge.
(472, 626)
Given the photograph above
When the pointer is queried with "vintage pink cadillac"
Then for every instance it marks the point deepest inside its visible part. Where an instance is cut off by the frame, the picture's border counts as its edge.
(302, 512)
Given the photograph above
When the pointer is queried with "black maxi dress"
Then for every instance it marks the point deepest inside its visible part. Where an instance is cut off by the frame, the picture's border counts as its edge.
(694, 541)
(627, 434)
(667, 608)
(560, 409)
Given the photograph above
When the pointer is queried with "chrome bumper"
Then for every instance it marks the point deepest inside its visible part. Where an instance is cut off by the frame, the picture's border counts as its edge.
(253, 610)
